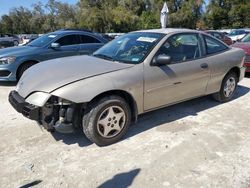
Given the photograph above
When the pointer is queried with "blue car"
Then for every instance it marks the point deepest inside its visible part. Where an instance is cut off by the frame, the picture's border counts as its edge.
(14, 61)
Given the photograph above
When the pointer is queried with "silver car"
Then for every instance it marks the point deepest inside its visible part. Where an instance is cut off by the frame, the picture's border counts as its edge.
(11, 40)
(133, 74)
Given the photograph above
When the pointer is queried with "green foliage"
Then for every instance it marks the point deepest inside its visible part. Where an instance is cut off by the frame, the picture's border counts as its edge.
(228, 14)
(125, 15)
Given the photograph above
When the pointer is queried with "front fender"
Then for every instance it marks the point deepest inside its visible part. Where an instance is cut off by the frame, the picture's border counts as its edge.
(129, 80)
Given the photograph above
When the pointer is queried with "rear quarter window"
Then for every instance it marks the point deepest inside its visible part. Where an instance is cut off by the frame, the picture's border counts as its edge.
(85, 39)
(213, 46)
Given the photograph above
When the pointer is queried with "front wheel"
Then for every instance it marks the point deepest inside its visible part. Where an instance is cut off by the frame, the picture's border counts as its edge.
(22, 69)
(106, 121)
(228, 88)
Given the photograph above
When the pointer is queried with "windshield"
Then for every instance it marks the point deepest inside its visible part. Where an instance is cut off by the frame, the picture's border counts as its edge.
(246, 38)
(43, 40)
(130, 48)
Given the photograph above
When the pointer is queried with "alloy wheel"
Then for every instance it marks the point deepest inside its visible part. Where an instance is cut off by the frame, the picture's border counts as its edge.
(111, 121)
(229, 87)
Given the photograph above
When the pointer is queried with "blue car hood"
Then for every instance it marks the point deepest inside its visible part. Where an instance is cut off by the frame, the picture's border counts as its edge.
(16, 51)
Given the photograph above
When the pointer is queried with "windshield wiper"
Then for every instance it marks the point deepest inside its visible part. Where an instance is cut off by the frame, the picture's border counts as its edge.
(104, 56)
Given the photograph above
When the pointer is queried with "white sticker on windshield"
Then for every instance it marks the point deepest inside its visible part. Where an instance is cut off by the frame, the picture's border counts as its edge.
(146, 39)
(52, 36)
(135, 59)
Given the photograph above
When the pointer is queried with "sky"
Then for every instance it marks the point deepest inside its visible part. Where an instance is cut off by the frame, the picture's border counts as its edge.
(6, 5)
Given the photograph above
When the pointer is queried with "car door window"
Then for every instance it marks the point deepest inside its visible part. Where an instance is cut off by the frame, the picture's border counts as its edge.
(213, 46)
(68, 40)
(88, 39)
(181, 47)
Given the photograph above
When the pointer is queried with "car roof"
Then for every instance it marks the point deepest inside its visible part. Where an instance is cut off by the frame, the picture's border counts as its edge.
(79, 31)
(167, 30)
(59, 32)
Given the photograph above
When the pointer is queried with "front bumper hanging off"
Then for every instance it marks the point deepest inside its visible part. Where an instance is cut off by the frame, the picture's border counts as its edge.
(28, 110)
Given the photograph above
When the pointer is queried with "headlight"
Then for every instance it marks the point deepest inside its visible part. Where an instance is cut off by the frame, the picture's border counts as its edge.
(7, 60)
(38, 98)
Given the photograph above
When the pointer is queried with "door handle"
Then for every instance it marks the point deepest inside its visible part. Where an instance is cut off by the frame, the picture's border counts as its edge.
(204, 65)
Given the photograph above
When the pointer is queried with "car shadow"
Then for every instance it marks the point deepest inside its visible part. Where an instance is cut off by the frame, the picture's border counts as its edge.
(122, 180)
(77, 137)
(8, 83)
(155, 118)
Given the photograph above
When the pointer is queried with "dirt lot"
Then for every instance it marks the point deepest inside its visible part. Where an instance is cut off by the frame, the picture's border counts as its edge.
(199, 143)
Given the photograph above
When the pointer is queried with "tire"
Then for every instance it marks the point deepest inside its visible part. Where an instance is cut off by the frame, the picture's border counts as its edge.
(16, 43)
(103, 119)
(22, 69)
(225, 94)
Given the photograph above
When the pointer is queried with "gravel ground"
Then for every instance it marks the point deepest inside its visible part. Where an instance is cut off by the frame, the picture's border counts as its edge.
(199, 143)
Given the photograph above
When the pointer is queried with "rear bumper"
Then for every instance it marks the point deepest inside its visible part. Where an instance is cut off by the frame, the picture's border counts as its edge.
(28, 110)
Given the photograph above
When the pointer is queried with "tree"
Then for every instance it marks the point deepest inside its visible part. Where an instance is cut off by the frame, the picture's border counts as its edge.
(227, 14)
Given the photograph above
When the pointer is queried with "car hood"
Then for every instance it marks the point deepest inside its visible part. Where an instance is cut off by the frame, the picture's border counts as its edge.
(50, 75)
(243, 45)
(16, 51)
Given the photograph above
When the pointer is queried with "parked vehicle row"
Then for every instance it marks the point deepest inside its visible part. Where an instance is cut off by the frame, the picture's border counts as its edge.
(221, 36)
(8, 40)
(245, 45)
(25, 39)
(14, 61)
(135, 73)
(238, 34)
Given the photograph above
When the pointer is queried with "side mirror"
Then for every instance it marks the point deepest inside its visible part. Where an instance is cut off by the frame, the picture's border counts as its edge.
(161, 60)
(238, 40)
(55, 46)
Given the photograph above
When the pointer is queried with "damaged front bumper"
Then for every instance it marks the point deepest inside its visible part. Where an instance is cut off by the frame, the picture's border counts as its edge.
(54, 115)
(28, 110)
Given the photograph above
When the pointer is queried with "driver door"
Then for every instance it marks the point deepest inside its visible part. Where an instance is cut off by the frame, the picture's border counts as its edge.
(185, 77)
(69, 46)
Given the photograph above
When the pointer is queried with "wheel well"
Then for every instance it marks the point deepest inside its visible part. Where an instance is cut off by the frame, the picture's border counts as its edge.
(126, 96)
(25, 63)
(235, 70)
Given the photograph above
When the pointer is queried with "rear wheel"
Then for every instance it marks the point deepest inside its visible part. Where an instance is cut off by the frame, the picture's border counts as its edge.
(22, 69)
(107, 120)
(228, 88)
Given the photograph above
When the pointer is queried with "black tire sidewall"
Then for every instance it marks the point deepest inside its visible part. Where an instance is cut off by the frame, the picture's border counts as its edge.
(222, 95)
(22, 69)
(91, 123)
